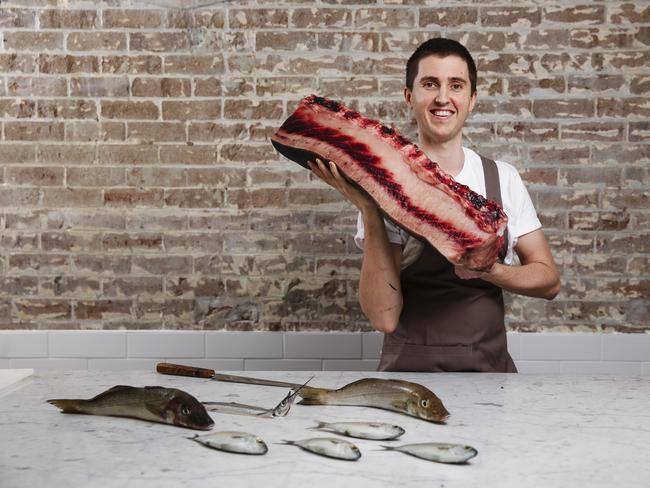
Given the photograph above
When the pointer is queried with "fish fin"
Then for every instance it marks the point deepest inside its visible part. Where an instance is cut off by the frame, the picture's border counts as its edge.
(67, 406)
(319, 425)
(113, 389)
(313, 396)
(388, 448)
(399, 405)
(157, 410)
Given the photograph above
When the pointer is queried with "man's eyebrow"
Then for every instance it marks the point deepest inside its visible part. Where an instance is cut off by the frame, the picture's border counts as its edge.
(453, 79)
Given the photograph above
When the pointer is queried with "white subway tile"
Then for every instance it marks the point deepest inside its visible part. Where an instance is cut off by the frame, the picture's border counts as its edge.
(171, 344)
(327, 345)
(5, 363)
(283, 365)
(88, 344)
(626, 347)
(50, 364)
(350, 364)
(514, 344)
(601, 367)
(122, 364)
(371, 345)
(243, 345)
(645, 368)
(538, 367)
(572, 347)
(23, 344)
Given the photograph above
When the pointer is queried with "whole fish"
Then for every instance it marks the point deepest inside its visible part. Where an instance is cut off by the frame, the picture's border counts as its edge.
(329, 447)
(363, 430)
(153, 403)
(395, 395)
(438, 452)
(239, 442)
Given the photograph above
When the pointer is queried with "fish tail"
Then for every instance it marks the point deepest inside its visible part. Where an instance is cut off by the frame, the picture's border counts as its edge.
(387, 448)
(67, 406)
(313, 396)
(319, 425)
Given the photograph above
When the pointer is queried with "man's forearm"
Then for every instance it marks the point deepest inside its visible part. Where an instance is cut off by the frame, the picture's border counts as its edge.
(380, 292)
(533, 279)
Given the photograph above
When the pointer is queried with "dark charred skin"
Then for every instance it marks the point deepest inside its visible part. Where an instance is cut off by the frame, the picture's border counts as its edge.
(188, 412)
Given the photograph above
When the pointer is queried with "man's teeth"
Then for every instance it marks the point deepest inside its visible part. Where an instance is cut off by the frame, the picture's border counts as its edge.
(441, 113)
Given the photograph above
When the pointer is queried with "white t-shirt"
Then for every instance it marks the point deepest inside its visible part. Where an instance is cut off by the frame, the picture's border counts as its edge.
(517, 204)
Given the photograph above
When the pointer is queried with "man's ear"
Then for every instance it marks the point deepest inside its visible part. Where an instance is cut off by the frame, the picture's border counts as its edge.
(407, 96)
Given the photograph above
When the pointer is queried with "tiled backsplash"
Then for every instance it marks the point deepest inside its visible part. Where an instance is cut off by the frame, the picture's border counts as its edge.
(305, 351)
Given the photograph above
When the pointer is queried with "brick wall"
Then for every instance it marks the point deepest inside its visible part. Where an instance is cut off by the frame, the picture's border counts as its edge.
(138, 188)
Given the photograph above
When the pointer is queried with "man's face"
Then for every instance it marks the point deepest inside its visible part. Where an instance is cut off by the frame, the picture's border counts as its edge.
(441, 99)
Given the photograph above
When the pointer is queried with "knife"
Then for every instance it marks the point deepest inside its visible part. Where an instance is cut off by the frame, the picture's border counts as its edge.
(183, 370)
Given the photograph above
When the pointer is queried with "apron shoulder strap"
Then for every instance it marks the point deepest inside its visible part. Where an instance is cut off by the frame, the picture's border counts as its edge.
(493, 192)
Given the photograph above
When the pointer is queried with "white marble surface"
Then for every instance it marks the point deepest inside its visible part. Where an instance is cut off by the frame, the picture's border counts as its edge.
(532, 431)
(10, 379)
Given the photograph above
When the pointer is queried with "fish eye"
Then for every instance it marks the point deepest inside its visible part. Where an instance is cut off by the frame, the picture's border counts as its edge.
(424, 403)
(185, 411)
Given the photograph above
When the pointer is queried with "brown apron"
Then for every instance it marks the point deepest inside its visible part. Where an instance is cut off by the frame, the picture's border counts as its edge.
(449, 324)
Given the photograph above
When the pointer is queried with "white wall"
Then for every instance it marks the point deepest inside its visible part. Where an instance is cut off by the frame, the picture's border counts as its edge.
(306, 351)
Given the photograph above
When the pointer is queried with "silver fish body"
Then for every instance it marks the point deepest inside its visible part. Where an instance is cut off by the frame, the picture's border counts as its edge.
(329, 447)
(438, 451)
(395, 395)
(364, 430)
(152, 403)
(230, 441)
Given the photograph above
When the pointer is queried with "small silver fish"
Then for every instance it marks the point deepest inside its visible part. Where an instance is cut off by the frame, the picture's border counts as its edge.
(363, 430)
(239, 442)
(153, 403)
(329, 447)
(437, 451)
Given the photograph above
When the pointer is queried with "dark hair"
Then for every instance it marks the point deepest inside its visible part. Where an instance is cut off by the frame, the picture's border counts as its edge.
(442, 48)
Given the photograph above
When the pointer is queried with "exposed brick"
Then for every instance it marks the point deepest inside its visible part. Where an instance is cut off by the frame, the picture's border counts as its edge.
(349, 41)
(96, 41)
(68, 19)
(521, 86)
(193, 198)
(249, 110)
(258, 18)
(133, 197)
(245, 153)
(131, 19)
(35, 175)
(162, 265)
(170, 154)
(161, 87)
(63, 64)
(321, 18)
(384, 18)
(628, 13)
(196, 110)
(37, 41)
(69, 242)
(600, 83)
(448, 17)
(194, 64)
(163, 177)
(17, 63)
(563, 109)
(579, 14)
(159, 42)
(102, 264)
(261, 198)
(147, 132)
(601, 38)
(140, 64)
(212, 131)
(42, 308)
(103, 309)
(129, 110)
(67, 109)
(187, 19)
(592, 131)
(142, 242)
(17, 18)
(17, 108)
(285, 40)
(529, 131)
(133, 286)
(95, 176)
(65, 154)
(630, 108)
(221, 177)
(23, 285)
(193, 242)
(70, 198)
(82, 131)
(638, 131)
(603, 221)
(106, 86)
(65, 286)
(35, 87)
(510, 16)
(41, 263)
(33, 131)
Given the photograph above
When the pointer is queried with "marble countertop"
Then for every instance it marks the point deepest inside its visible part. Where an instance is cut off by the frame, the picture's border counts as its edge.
(533, 431)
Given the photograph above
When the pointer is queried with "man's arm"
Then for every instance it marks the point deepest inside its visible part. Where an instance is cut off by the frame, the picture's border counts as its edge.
(380, 293)
(536, 277)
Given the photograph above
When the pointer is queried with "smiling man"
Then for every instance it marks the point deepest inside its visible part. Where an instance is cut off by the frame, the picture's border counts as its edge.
(436, 316)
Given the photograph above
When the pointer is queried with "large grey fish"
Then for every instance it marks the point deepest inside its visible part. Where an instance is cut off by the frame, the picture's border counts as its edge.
(396, 395)
(437, 451)
(329, 447)
(239, 442)
(363, 430)
(153, 403)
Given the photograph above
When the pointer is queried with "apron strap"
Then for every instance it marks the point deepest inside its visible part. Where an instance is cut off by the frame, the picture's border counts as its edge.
(493, 192)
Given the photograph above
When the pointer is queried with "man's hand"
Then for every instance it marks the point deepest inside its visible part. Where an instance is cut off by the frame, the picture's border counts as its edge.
(469, 274)
(329, 173)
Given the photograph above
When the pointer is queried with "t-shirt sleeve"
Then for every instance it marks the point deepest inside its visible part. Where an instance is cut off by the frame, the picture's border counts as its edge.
(395, 234)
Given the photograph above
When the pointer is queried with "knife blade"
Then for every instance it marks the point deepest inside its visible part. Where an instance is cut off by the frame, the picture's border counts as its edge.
(195, 372)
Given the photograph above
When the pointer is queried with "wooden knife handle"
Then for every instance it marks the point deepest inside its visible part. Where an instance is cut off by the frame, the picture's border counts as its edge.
(182, 370)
